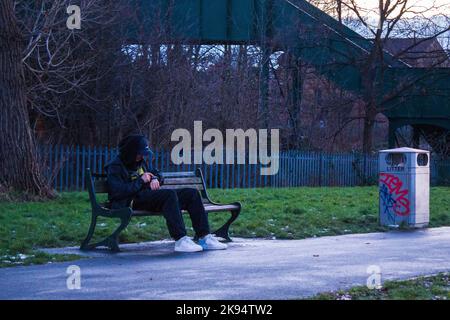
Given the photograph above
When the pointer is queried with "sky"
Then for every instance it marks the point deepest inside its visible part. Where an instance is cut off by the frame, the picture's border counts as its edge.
(440, 6)
(437, 10)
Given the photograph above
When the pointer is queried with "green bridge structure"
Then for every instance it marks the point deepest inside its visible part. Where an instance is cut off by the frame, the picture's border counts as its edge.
(419, 97)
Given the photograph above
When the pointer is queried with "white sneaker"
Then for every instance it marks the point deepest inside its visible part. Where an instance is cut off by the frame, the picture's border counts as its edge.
(186, 244)
(209, 242)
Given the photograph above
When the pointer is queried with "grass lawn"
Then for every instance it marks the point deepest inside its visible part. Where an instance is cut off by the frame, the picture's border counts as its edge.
(289, 213)
(422, 288)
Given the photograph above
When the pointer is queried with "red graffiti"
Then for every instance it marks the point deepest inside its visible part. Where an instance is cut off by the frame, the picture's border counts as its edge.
(394, 184)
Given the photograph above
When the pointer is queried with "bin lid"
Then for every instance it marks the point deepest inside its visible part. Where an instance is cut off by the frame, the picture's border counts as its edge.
(404, 150)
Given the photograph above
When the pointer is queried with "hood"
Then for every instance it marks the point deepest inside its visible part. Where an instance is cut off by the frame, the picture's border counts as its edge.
(132, 146)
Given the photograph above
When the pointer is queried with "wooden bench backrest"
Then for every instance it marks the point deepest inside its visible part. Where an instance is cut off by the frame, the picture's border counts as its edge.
(97, 183)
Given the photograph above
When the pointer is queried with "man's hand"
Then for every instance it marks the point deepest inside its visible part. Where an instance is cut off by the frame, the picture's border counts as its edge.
(146, 177)
(154, 184)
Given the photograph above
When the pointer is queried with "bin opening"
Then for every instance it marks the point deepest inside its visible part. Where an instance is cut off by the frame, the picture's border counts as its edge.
(422, 159)
(396, 159)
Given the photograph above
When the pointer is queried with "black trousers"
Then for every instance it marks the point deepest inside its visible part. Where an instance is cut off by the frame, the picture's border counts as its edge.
(170, 203)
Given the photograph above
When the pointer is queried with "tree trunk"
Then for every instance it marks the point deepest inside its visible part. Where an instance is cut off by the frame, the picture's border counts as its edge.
(20, 169)
(368, 134)
(369, 77)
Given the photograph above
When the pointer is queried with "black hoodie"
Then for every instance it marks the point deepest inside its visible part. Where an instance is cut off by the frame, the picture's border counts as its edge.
(123, 172)
(130, 147)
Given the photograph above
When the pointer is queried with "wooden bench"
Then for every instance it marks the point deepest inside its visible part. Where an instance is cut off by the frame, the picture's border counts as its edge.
(96, 183)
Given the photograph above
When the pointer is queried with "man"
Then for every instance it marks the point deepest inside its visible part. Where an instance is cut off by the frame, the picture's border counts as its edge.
(132, 183)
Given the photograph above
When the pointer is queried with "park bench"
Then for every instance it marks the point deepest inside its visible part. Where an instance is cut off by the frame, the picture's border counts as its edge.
(97, 183)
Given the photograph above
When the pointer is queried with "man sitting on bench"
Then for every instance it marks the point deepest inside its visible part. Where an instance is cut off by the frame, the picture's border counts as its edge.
(131, 183)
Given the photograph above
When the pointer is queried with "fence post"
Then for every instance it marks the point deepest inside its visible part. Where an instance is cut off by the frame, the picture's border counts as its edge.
(211, 176)
(238, 175)
(50, 159)
(77, 168)
(320, 169)
(61, 168)
(68, 165)
(228, 176)
(221, 175)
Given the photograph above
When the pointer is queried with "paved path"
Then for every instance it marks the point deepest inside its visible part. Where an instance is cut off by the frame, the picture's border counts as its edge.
(249, 269)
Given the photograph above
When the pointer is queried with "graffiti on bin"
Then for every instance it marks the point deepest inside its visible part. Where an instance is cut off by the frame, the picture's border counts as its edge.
(394, 198)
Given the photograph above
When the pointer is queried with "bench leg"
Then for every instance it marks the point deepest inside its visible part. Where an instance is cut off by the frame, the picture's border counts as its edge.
(112, 241)
(85, 243)
(222, 232)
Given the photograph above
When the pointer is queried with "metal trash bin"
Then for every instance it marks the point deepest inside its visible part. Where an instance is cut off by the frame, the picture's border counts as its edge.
(404, 186)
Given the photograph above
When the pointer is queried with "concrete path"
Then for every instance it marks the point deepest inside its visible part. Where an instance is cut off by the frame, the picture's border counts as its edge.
(249, 269)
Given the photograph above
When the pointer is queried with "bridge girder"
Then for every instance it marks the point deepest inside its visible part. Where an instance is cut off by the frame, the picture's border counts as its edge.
(331, 48)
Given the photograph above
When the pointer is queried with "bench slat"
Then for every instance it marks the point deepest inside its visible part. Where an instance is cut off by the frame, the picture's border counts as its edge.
(224, 207)
(181, 186)
(101, 186)
(208, 208)
(141, 213)
(178, 174)
(184, 180)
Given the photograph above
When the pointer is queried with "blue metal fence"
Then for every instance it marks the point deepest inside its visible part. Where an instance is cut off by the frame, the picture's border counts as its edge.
(65, 167)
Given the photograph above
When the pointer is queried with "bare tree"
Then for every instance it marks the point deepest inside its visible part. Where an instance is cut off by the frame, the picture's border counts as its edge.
(384, 24)
(20, 169)
(390, 20)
